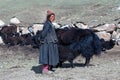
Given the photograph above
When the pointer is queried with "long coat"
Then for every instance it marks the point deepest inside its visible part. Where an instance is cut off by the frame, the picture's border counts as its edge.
(49, 49)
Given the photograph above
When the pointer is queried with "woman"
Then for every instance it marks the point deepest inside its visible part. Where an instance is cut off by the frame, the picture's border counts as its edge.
(48, 50)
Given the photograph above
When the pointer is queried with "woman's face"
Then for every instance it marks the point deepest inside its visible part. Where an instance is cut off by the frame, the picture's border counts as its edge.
(52, 18)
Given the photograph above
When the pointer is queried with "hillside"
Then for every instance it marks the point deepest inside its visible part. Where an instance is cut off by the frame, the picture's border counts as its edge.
(89, 11)
(21, 62)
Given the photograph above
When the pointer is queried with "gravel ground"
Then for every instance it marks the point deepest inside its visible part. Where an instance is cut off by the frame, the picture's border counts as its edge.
(21, 63)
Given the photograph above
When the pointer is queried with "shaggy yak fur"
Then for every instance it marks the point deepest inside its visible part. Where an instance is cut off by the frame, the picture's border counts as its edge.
(6, 30)
(74, 42)
(107, 45)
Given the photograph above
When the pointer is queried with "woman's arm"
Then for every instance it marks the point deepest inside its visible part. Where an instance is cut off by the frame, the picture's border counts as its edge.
(45, 30)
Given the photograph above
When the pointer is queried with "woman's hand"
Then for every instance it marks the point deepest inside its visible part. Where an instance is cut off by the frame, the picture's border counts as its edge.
(41, 41)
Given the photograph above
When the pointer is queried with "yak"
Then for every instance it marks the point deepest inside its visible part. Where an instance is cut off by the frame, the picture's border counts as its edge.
(68, 36)
(7, 29)
(74, 42)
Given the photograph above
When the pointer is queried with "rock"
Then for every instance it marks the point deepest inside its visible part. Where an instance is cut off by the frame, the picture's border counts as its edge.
(56, 25)
(114, 34)
(37, 26)
(118, 8)
(104, 35)
(1, 23)
(118, 26)
(81, 25)
(106, 27)
(15, 20)
(118, 41)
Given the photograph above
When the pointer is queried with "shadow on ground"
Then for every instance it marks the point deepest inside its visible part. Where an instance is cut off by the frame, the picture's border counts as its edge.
(37, 69)
(67, 65)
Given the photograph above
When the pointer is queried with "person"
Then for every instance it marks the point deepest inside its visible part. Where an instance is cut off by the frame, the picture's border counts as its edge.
(49, 56)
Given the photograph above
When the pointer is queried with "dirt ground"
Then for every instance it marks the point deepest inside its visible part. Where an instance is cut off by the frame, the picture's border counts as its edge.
(21, 63)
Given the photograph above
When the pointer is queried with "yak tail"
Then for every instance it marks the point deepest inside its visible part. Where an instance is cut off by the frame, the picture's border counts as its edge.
(97, 44)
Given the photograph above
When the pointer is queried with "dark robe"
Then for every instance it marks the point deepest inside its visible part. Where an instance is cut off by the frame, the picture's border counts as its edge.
(49, 49)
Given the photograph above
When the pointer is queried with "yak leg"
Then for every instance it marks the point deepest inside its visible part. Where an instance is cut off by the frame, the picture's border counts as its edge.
(71, 63)
(59, 64)
(87, 61)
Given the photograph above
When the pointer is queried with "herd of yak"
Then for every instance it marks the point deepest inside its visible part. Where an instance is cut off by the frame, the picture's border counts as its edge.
(72, 42)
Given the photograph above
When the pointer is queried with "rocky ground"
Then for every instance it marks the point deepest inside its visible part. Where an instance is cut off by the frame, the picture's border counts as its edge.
(21, 62)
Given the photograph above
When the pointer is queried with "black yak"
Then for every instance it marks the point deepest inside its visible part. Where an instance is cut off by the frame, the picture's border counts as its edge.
(78, 41)
(71, 35)
(7, 29)
(66, 54)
